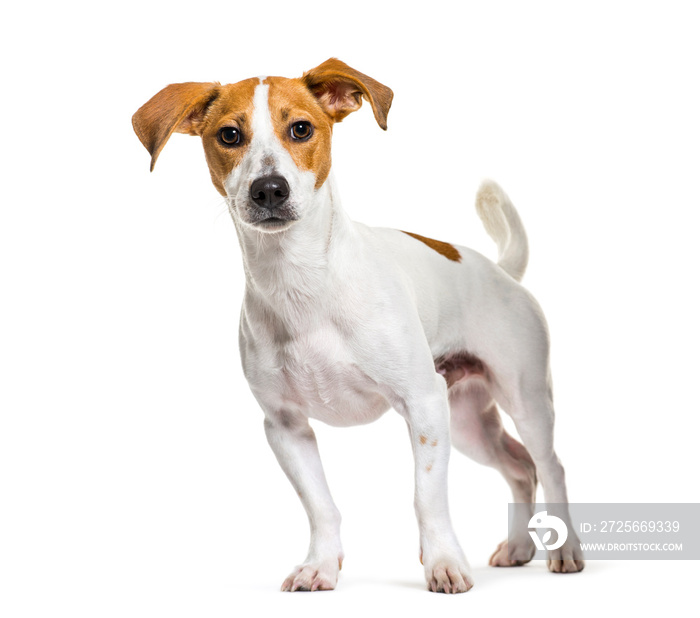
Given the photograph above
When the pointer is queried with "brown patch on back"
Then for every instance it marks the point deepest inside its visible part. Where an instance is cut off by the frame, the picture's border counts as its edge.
(423, 439)
(443, 248)
(434, 443)
(290, 101)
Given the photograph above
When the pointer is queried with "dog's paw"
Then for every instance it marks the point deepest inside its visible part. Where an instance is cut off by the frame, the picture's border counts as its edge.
(567, 559)
(520, 553)
(449, 575)
(312, 576)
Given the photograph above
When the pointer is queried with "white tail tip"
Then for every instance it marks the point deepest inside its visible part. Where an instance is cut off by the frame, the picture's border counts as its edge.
(503, 224)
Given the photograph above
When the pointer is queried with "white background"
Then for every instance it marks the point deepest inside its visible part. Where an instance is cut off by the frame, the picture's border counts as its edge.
(135, 477)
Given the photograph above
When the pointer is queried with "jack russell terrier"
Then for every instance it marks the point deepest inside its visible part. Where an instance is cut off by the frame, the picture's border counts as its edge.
(341, 321)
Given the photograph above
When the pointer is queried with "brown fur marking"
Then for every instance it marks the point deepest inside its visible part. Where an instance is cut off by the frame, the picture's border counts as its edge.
(443, 248)
(340, 90)
(291, 101)
(178, 107)
(233, 108)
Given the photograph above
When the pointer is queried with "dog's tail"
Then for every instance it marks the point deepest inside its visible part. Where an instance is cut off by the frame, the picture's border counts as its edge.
(503, 224)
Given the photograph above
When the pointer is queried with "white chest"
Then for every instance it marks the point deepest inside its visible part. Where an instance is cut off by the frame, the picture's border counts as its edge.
(317, 374)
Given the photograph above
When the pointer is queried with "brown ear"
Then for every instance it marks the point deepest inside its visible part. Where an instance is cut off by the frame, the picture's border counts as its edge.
(178, 107)
(340, 88)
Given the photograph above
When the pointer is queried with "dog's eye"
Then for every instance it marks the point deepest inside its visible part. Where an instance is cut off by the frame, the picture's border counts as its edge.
(230, 136)
(301, 130)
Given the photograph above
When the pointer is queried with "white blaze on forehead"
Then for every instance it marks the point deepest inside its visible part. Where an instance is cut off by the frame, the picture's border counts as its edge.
(264, 150)
(263, 131)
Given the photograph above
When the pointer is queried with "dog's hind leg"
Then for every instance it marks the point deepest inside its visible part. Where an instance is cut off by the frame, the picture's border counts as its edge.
(532, 411)
(477, 431)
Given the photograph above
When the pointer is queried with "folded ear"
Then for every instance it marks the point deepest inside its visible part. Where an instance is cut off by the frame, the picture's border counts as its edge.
(178, 107)
(340, 88)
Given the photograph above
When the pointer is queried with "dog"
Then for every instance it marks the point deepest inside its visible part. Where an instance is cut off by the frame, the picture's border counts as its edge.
(341, 321)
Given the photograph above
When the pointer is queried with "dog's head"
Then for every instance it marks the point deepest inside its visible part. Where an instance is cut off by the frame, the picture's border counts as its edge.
(267, 140)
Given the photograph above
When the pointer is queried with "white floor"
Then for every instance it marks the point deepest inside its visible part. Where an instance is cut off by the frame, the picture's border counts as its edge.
(604, 588)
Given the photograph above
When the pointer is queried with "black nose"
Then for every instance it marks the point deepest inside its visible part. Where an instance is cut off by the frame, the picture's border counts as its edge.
(269, 191)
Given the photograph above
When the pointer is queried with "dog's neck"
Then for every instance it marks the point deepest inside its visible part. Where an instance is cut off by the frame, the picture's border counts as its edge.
(291, 272)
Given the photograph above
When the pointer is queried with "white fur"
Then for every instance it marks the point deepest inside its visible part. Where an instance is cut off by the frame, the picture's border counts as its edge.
(503, 224)
(341, 322)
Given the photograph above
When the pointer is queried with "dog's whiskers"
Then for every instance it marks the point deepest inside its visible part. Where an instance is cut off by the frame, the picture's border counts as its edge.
(222, 209)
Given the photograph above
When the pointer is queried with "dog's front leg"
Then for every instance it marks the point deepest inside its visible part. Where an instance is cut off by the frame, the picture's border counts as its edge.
(294, 444)
(446, 568)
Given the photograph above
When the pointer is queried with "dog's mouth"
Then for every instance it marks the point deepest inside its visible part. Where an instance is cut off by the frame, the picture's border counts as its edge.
(274, 223)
